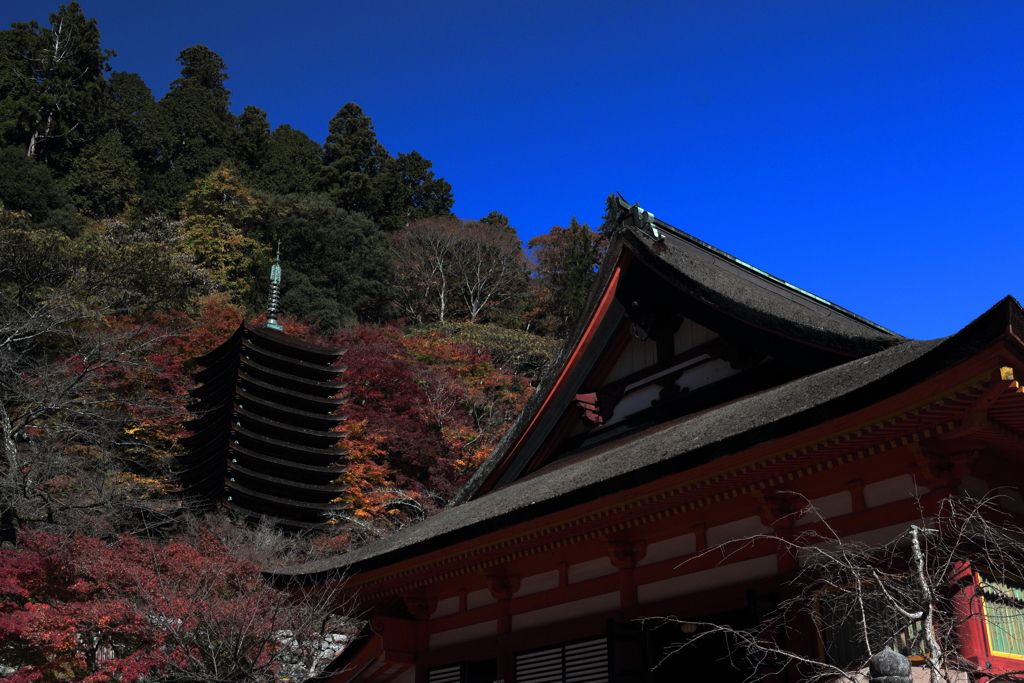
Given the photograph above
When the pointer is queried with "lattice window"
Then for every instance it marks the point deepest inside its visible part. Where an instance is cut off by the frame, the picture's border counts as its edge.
(1003, 606)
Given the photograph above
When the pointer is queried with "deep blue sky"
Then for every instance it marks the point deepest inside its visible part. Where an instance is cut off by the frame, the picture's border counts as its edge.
(870, 152)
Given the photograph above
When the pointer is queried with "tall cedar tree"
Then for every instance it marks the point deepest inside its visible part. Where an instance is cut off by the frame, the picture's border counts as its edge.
(52, 85)
(290, 165)
(28, 185)
(361, 176)
(198, 129)
(352, 158)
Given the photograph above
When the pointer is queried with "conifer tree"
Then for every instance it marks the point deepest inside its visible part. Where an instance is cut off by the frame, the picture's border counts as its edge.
(52, 84)
(198, 128)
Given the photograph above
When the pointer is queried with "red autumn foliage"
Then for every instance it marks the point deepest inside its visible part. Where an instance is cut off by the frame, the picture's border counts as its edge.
(424, 413)
(79, 609)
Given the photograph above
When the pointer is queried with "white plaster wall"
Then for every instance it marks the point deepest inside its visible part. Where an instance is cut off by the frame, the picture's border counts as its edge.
(891, 491)
(690, 335)
(634, 403)
(537, 583)
(446, 607)
(480, 598)
(827, 507)
(464, 634)
(705, 374)
(814, 553)
(637, 356)
(565, 611)
(592, 569)
(407, 676)
(741, 528)
(725, 575)
(669, 548)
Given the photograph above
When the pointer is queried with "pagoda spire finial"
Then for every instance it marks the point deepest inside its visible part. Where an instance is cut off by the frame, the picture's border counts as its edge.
(275, 291)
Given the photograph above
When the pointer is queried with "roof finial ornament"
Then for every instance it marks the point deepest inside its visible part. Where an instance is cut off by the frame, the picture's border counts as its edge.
(634, 215)
(275, 291)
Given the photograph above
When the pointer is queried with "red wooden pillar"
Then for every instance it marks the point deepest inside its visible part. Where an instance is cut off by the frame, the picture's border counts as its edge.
(624, 556)
(970, 626)
(421, 609)
(502, 588)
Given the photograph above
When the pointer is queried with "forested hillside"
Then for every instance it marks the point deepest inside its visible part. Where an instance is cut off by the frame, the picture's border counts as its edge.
(136, 232)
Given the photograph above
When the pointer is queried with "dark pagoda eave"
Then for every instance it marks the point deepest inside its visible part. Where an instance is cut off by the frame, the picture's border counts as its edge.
(320, 373)
(297, 435)
(286, 448)
(295, 416)
(218, 374)
(214, 432)
(208, 488)
(201, 471)
(278, 521)
(333, 490)
(198, 424)
(294, 383)
(216, 354)
(213, 399)
(294, 469)
(289, 345)
(211, 450)
(285, 503)
(293, 397)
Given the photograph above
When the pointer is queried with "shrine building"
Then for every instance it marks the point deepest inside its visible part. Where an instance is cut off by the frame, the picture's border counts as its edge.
(698, 400)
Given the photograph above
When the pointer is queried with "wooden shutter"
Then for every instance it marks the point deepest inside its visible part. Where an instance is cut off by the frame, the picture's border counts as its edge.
(446, 674)
(584, 661)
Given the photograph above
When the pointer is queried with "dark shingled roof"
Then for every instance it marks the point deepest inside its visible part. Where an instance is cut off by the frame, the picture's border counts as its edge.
(722, 283)
(682, 444)
(744, 292)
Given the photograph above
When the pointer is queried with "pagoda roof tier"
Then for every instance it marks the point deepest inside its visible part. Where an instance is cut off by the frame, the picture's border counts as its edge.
(278, 521)
(259, 481)
(289, 381)
(218, 354)
(275, 341)
(288, 345)
(209, 488)
(269, 392)
(200, 471)
(212, 399)
(317, 438)
(285, 449)
(219, 374)
(201, 422)
(289, 506)
(217, 386)
(289, 469)
(287, 413)
(282, 363)
(214, 448)
(212, 432)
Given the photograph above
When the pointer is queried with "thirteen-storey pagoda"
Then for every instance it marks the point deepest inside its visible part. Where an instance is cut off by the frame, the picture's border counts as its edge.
(266, 427)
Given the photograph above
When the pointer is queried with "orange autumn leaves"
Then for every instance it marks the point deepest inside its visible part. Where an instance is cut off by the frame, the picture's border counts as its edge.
(424, 412)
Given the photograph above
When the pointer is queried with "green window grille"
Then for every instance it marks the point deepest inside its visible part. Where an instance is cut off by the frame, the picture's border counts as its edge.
(1004, 615)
